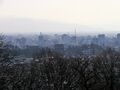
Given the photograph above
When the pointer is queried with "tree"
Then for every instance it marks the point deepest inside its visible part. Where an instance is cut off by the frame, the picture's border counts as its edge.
(107, 67)
(5, 64)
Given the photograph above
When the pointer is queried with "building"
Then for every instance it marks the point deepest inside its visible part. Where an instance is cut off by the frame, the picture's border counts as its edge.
(101, 40)
(94, 40)
(118, 36)
(59, 48)
(65, 38)
(41, 40)
(118, 39)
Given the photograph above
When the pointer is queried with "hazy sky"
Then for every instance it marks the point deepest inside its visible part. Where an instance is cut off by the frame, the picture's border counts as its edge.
(96, 13)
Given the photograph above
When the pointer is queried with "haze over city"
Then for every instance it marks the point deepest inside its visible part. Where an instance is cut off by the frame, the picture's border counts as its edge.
(59, 44)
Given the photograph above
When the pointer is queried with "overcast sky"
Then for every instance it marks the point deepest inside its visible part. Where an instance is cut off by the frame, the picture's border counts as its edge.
(94, 13)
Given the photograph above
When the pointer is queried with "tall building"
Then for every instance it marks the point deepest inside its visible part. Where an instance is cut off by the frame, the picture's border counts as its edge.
(118, 36)
(101, 40)
(118, 39)
(41, 40)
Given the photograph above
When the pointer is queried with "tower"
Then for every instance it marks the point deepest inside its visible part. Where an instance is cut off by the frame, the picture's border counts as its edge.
(75, 35)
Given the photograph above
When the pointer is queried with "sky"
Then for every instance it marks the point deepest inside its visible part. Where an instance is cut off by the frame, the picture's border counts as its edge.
(103, 14)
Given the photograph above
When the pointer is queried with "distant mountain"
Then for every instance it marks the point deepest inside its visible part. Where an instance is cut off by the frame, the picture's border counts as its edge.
(29, 25)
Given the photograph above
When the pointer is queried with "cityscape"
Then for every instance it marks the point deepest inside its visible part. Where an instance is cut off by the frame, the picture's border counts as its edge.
(68, 44)
(59, 62)
(59, 44)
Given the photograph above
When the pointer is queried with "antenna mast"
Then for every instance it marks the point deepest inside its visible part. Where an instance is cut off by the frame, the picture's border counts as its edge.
(75, 35)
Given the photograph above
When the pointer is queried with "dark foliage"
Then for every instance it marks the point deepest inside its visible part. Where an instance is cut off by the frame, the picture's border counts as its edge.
(50, 71)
